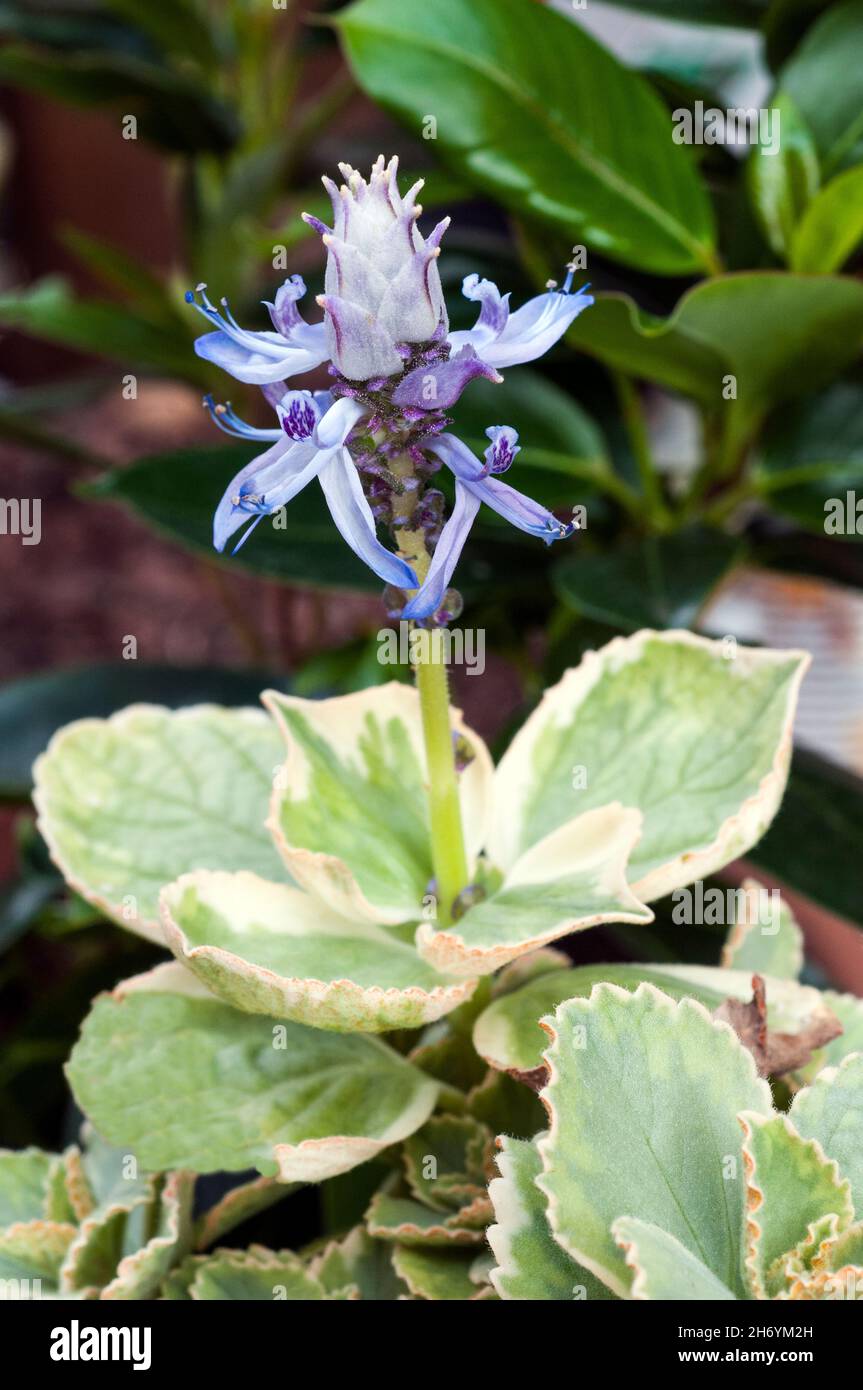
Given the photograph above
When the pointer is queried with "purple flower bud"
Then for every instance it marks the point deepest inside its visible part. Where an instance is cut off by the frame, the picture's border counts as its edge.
(382, 287)
(467, 898)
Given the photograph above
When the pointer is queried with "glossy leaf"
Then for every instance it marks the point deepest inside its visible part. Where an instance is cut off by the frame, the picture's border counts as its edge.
(178, 492)
(173, 110)
(813, 846)
(826, 86)
(779, 335)
(49, 311)
(536, 113)
(658, 582)
(783, 181)
(812, 457)
(832, 226)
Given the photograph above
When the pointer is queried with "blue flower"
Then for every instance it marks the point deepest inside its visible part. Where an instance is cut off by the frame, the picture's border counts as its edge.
(396, 369)
(310, 444)
(475, 484)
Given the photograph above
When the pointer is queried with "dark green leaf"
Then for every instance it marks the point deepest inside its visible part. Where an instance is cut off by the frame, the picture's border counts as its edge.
(113, 267)
(178, 27)
(71, 29)
(535, 112)
(812, 453)
(783, 181)
(21, 903)
(825, 80)
(178, 493)
(48, 310)
(780, 335)
(563, 454)
(33, 708)
(652, 583)
(171, 110)
(814, 843)
(745, 14)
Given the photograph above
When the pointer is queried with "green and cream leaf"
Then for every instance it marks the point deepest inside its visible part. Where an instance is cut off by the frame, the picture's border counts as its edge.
(790, 1186)
(508, 1034)
(645, 1092)
(530, 1263)
(130, 803)
(573, 879)
(663, 1268)
(694, 734)
(188, 1082)
(764, 940)
(830, 1111)
(349, 809)
(269, 948)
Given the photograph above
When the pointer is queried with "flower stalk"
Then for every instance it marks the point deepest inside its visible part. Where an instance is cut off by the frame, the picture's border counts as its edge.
(449, 858)
(447, 839)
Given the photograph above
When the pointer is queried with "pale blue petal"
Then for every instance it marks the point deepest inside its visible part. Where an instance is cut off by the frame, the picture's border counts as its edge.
(447, 551)
(264, 485)
(353, 517)
(519, 510)
(264, 357)
(528, 333)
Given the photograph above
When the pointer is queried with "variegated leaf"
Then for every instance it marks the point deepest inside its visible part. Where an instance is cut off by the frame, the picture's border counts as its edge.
(509, 1036)
(662, 1268)
(130, 803)
(644, 1093)
(188, 1082)
(573, 879)
(831, 1112)
(349, 812)
(790, 1185)
(694, 733)
(530, 1263)
(271, 949)
(765, 939)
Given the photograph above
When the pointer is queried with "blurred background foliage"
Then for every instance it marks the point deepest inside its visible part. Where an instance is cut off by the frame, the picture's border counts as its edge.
(539, 126)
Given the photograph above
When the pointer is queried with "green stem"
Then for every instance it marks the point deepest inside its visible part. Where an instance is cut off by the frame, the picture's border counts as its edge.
(633, 419)
(447, 840)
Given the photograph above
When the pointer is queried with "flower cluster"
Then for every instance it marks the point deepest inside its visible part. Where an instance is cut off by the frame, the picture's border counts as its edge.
(379, 434)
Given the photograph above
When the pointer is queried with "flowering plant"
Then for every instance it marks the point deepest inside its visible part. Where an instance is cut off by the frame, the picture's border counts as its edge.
(377, 437)
(295, 897)
(361, 911)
